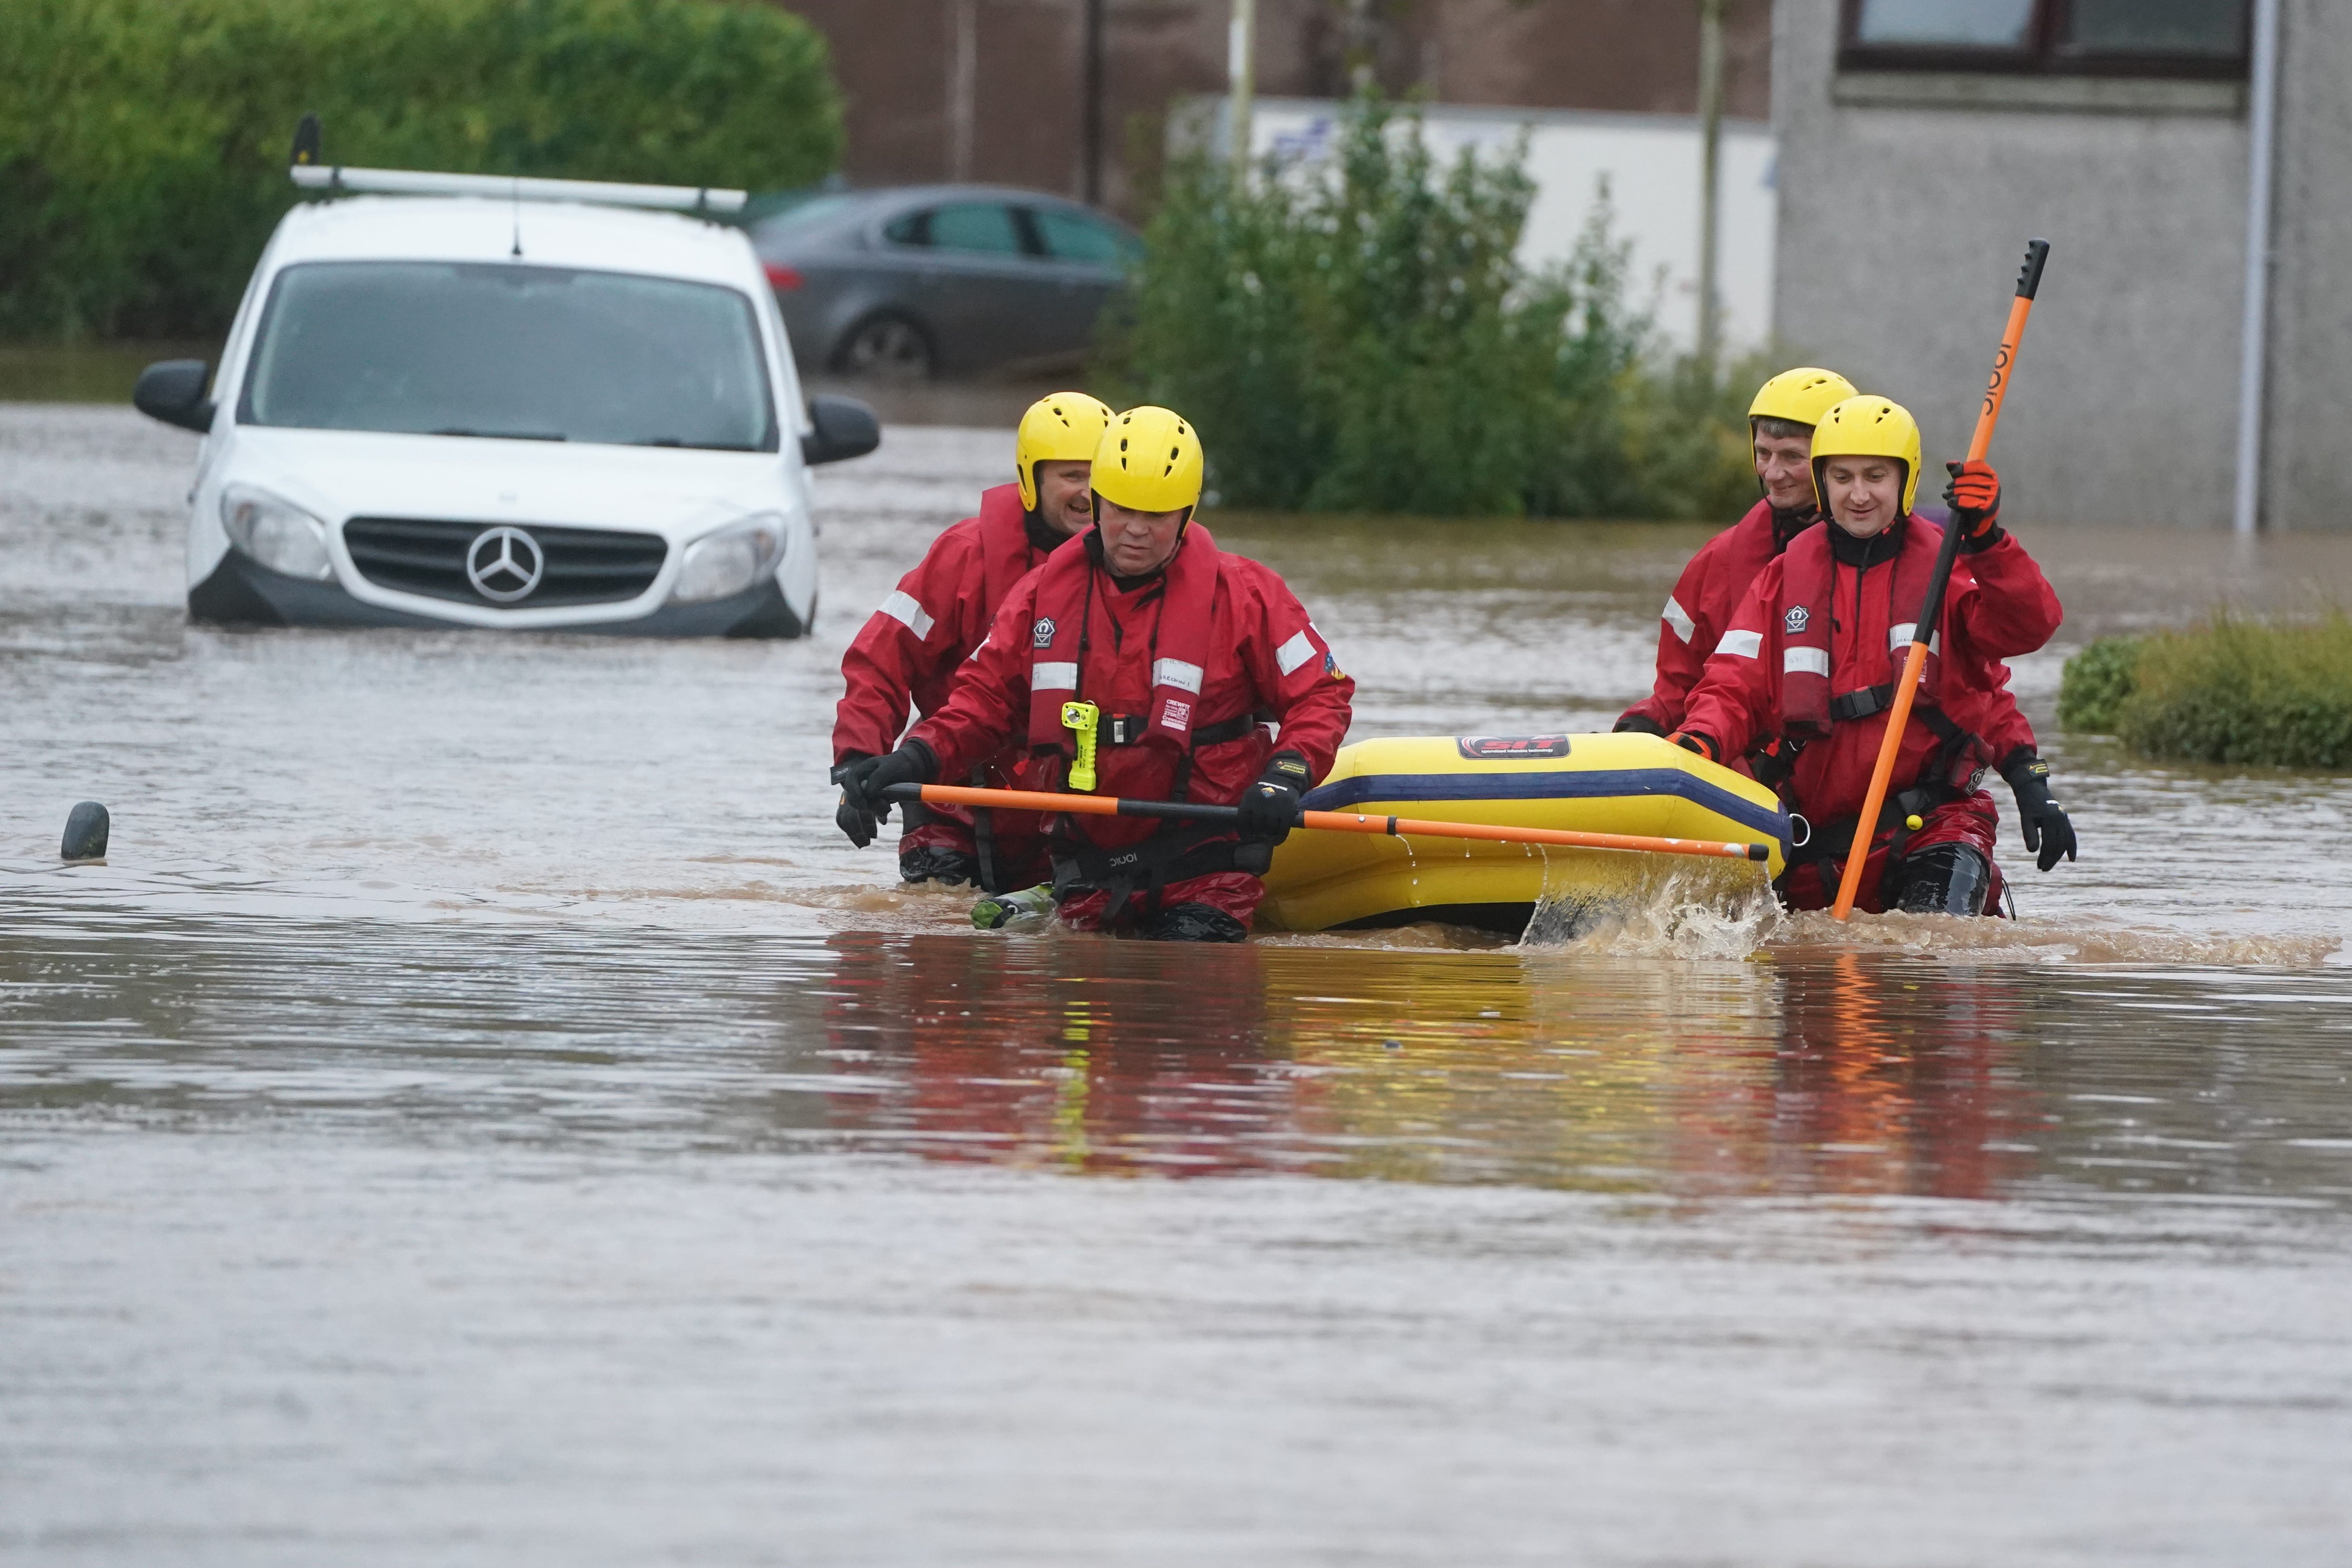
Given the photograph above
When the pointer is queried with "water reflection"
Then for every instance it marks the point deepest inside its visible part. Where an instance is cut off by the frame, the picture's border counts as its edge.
(1808, 1072)
(1813, 1073)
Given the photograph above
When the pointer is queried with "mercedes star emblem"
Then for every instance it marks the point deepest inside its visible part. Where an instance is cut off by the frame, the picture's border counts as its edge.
(504, 564)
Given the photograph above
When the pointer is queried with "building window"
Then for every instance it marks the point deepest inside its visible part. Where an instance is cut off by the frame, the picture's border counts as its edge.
(2048, 37)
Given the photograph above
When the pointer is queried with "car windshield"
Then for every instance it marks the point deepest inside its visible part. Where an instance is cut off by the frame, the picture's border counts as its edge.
(498, 349)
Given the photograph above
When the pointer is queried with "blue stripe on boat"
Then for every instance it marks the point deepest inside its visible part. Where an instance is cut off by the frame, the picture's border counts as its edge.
(1346, 795)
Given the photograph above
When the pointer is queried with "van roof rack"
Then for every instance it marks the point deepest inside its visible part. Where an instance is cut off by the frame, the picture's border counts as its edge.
(601, 192)
(313, 176)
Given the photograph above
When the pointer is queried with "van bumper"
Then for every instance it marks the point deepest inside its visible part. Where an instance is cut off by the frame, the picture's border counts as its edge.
(240, 593)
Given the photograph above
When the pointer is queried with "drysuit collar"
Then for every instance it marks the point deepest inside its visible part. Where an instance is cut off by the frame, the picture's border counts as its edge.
(1789, 523)
(1044, 537)
(1883, 546)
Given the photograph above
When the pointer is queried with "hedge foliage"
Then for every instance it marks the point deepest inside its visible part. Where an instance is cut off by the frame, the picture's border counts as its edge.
(1362, 336)
(2234, 690)
(2097, 680)
(143, 143)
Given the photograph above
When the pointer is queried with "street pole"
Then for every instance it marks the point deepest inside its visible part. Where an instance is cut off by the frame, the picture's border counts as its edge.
(1241, 81)
(2254, 368)
(1710, 114)
(1091, 128)
(963, 88)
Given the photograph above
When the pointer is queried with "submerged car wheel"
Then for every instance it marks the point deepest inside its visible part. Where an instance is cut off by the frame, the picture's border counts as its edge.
(888, 348)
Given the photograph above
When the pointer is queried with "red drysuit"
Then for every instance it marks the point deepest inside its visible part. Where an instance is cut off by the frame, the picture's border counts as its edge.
(1187, 667)
(908, 653)
(1708, 594)
(1819, 640)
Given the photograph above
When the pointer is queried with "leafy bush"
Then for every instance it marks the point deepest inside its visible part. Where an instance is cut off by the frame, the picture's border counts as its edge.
(2095, 682)
(1361, 337)
(2243, 692)
(143, 143)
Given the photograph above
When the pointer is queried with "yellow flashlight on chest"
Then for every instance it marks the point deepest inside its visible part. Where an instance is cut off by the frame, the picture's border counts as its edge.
(1085, 720)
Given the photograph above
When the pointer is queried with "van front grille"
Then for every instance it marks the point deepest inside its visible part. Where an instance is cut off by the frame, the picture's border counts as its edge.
(577, 565)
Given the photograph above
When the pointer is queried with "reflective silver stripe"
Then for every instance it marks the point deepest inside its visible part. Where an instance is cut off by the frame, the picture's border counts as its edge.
(1805, 661)
(1741, 645)
(1176, 672)
(1294, 653)
(1054, 677)
(902, 607)
(1900, 636)
(1679, 619)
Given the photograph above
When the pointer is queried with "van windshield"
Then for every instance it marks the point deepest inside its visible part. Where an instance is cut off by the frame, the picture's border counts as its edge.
(546, 353)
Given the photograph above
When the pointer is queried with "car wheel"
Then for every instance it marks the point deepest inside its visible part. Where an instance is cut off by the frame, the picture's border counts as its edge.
(888, 348)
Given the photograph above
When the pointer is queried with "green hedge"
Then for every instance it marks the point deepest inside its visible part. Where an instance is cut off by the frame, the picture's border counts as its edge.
(2097, 680)
(1363, 338)
(2233, 690)
(143, 143)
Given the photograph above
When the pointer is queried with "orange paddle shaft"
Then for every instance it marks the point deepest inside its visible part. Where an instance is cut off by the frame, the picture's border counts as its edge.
(1323, 821)
(1915, 663)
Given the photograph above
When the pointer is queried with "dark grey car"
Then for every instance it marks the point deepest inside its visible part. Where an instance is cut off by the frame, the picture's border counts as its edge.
(917, 280)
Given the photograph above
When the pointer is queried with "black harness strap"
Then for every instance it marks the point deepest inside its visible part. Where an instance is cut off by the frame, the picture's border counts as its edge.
(1171, 854)
(1861, 704)
(1196, 849)
(984, 840)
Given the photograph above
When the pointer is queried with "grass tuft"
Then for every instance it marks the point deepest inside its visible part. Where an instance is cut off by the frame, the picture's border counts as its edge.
(2096, 681)
(2233, 690)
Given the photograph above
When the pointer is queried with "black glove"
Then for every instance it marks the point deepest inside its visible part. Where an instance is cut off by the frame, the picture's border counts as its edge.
(1974, 496)
(1692, 741)
(847, 817)
(1637, 724)
(1269, 809)
(2047, 829)
(863, 780)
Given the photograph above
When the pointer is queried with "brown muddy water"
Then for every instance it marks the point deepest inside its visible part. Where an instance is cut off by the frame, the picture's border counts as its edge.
(483, 1113)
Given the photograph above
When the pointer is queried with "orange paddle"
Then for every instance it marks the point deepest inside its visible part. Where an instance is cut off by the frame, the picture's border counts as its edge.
(1322, 821)
(1915, 663)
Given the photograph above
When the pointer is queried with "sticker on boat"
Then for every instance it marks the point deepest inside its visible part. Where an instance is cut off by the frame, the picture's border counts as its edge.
(1487, 748)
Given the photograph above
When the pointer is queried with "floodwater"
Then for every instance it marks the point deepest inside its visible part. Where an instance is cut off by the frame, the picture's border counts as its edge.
(482, 1113)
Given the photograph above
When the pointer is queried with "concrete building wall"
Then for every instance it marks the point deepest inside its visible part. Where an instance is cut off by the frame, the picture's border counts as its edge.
(2308, 472)
(1900, 234)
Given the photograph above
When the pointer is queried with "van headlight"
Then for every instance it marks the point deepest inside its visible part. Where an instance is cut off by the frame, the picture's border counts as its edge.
(275, 533)
(730, 560)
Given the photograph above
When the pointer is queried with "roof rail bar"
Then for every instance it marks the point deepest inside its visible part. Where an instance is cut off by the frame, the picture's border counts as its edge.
(505, 187)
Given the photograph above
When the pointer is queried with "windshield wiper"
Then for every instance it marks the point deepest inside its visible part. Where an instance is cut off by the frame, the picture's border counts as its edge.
(501, 434)
(698, 445)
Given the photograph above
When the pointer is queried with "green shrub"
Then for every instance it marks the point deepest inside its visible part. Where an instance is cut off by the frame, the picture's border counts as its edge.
(143, 143)
(2244, 691)
(1363, 338)
(2095, 683)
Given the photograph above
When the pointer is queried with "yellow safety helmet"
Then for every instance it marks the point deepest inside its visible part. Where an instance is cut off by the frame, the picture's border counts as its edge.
(1801, 396)
(1868, 427)
(1150, 460)
(1060, 428)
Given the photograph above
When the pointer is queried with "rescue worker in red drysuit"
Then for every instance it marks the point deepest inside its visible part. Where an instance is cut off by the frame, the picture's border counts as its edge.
(1173, 657)
(911, 648)
(1781, 423)
(1813, 651)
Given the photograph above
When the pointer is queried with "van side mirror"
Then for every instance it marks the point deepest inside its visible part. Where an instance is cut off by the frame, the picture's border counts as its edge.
(844, 428)
(174, 392)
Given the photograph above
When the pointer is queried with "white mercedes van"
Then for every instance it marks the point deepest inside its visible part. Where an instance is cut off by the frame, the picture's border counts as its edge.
(468, 400)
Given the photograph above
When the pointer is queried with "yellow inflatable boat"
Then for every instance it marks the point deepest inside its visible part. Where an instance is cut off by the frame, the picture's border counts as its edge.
(1593, 783)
